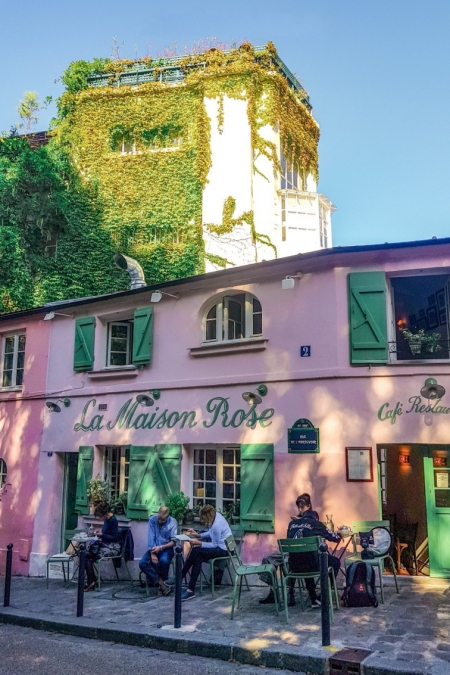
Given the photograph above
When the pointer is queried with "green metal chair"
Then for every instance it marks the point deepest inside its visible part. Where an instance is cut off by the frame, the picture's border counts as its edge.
(378, 561)
(304, 545)
(242, 571)
(120, 556)
(224, 560)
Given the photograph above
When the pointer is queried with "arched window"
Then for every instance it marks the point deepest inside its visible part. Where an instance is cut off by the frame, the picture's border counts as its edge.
(3, 471)
(234, 316)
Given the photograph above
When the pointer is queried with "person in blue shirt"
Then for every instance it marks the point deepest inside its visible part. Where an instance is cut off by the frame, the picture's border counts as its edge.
(155, 563)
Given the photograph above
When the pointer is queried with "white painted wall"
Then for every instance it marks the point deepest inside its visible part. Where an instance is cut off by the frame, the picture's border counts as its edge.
(232, 175)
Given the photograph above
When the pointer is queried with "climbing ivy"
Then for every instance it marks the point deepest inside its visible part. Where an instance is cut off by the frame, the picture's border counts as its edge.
(126, 168)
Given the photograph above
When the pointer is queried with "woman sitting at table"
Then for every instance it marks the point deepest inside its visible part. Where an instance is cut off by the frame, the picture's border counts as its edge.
(106, 545)
(218, 531)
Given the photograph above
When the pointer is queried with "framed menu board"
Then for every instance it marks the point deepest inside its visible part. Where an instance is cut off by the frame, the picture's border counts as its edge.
(359, 465)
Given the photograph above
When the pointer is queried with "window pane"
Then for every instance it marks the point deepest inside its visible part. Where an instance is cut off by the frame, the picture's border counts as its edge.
(199, 473)
(19, 377)
(199, 490)
(228, 473)
(212, 314)
(238, 491)
(211, 472)
(256, 305)
(7, 374)
(119, 345)
(238, 455)
(238, 473)
(210, 489)
(119, 331)
(228, 491)
(228, 456)
(9, 345)
(8, 362)
(211, 329)
(20, 359)
(210, 457)
(442, 498)
(21, 343)
(118, 359)
(199, 456)
(257, 324)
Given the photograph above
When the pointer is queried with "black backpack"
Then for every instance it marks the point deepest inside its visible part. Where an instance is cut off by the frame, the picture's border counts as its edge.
(360, 590)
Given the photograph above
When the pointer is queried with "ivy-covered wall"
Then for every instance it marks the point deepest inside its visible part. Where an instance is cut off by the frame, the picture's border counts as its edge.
(126, 169)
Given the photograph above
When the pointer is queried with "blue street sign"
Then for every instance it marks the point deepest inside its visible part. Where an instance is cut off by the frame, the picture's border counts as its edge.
(305, 350)
(303, 437)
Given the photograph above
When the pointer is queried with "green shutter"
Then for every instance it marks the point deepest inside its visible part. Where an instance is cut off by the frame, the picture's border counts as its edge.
(257, 488)
(83, 358)
(367, 310)
(143, 336)
(84, 475)
(155, 472)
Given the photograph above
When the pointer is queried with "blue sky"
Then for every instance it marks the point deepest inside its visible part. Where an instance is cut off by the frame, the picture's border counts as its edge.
(377, 72)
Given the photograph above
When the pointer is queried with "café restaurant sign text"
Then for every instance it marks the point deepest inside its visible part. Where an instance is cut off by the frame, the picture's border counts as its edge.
(128, 417)
(415, 405)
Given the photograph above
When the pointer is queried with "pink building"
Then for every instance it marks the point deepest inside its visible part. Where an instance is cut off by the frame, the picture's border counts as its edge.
(163, 393)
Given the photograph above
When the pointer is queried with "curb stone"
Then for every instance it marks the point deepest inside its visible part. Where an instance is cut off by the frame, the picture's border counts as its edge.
(286, 659)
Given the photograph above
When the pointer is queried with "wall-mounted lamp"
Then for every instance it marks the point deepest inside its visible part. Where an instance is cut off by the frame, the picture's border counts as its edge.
(157, 295)
(289, 281)
(432, 389)
(146, 401)
(54, 407)
(51, 315)
(404, 459)
(254, 397)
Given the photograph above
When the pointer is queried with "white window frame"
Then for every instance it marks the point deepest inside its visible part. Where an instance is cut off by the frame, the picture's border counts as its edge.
(129, 326)
(16, 337)
(219, 472)
(124, 461)
(3, 473)
(222, 318)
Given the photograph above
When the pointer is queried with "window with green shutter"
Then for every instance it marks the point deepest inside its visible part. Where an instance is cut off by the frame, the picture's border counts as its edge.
(84, 475)
(367, 317)
(155, 472)
(83, 358)
(143, 336)
(257, 488)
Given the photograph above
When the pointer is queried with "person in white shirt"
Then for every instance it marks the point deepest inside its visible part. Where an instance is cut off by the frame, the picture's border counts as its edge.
(202, 550)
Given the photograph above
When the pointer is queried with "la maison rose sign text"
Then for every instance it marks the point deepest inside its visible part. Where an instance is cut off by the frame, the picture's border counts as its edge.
(415, 405)
(131, 417)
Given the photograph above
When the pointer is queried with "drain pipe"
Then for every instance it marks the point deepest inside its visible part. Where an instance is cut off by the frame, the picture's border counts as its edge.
(137, 279)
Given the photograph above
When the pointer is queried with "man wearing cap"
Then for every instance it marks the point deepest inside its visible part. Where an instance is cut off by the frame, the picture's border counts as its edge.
(275, 558)
(155, 563)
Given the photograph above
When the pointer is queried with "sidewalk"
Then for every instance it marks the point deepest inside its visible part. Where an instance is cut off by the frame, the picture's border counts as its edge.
(409, 634)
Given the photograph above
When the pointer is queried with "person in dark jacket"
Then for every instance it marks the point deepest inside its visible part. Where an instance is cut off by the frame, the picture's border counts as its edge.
(306, 525)
(109, 543)
(275, 558)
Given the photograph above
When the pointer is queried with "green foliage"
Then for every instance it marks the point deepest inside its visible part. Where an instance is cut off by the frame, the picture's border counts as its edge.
(177, 504)
(76, 75)
(98, 491)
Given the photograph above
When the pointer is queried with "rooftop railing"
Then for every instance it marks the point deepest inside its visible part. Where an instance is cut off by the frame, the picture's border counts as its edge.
(168, 70)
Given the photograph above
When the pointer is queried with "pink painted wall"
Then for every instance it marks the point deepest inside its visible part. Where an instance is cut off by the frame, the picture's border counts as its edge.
(21, 418)
(339, 399)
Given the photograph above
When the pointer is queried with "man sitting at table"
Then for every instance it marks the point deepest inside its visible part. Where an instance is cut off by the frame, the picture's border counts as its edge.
(308, 526)
(155, 563)
(275, 558)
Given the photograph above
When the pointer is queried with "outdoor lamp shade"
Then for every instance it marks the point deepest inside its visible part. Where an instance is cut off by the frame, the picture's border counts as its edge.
(156, 296)
(251, 398)
(144, 400)
(432, 389)
(53, 407)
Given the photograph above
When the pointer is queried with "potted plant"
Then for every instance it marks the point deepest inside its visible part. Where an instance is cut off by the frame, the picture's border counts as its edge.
(97, 491)
(415, 340)
(119, 504)
(177, 503)
(196, 512)
(189, 517)
(431, 343)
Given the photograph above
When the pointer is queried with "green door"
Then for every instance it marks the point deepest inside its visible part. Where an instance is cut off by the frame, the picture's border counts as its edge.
(71, 512)
(437, 489)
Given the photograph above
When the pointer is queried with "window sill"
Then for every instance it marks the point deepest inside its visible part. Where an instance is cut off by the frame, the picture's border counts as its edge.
(7, 390)
(113, 373)
(232, 347)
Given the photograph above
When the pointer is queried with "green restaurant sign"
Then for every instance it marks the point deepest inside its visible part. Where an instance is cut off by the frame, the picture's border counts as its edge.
(416, 404)
(131, 417)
